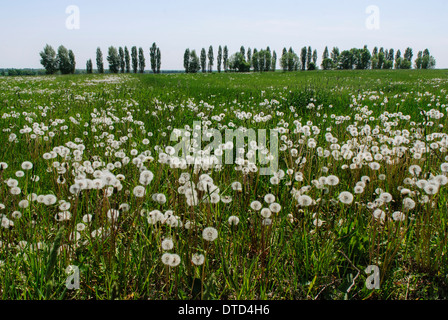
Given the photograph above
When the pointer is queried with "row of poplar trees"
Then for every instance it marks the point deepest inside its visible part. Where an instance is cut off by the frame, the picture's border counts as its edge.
(259, 60)
(121, 60)
(63, 60)
(265, 60)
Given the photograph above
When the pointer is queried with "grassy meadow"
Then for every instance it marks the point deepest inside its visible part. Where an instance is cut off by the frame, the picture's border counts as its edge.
(88, 179)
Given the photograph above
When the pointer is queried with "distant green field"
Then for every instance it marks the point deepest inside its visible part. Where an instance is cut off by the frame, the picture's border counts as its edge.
(90, 177)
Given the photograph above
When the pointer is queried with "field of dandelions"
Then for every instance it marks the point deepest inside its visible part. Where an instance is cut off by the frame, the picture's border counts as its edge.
(88, 179)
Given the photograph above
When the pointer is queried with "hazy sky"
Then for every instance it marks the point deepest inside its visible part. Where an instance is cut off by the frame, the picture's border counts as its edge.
(26, 26)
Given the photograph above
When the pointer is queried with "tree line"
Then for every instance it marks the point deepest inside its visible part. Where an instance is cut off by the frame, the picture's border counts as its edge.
(265, 60)
(120, 60)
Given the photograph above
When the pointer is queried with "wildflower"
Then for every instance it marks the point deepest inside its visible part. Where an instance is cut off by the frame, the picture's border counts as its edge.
(210, 234)
(24, 204)
(27, 165)
(408, 204)
(20, 174)
(346, 197)
(398, 216)
(139, 191)
(167, 244)
(15, 190)
(16, 215)
(198, 259)
(305, 200)
(358, 190)
(112, 214)
(12, 183)
(415, 170)
(275, 207)
(49, 199)
(233, 220)
(226, 199)
(386, 197)
(318, 222)
(431, 188)
(146, 177)
(87, 218)
(175, 260)
(269, 198)
(166, 258)
(265, 213)
(236, 186)
(379, 214)
(256, 205)
(332, 180)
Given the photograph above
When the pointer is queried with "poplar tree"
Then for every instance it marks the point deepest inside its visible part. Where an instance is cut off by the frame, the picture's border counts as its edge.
(203, 60)
(158, 59)
(127, 60)
(226, 58)
(63, 60)
(284, 60)
(153, 57)
(49, 60)
(99, 60)
(121, 55)
(187, 60)
(274, 61)
(267, 59)
(194, 63)
(303, 58)
(141, 60)
(219, 58)
(255, 60)
(210, 59)
(113, 59)
(309, 56)
(71, 57)
(89, 66)
(134, 59)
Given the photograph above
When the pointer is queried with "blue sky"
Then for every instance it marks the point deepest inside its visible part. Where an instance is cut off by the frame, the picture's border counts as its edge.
(26, 26)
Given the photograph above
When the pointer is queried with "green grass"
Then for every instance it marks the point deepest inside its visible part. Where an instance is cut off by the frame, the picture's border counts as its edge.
(292, 258)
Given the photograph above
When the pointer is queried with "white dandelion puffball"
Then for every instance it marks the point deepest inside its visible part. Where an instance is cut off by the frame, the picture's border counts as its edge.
(167, 244)
(139, 191)
(275, 207)
(346, 197)
(332, 180)
(408, 204)
(233, 220)
(27, 165)
(269, 198)
(386, 197)
(265, 213)
(198, 259)
(305, 200)
(237, 186)
(113, 214)
(255, 205)
(379, 214)
(146, 177)
(210, 234)
(166, 258)
(175, 260)
(398, 216)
